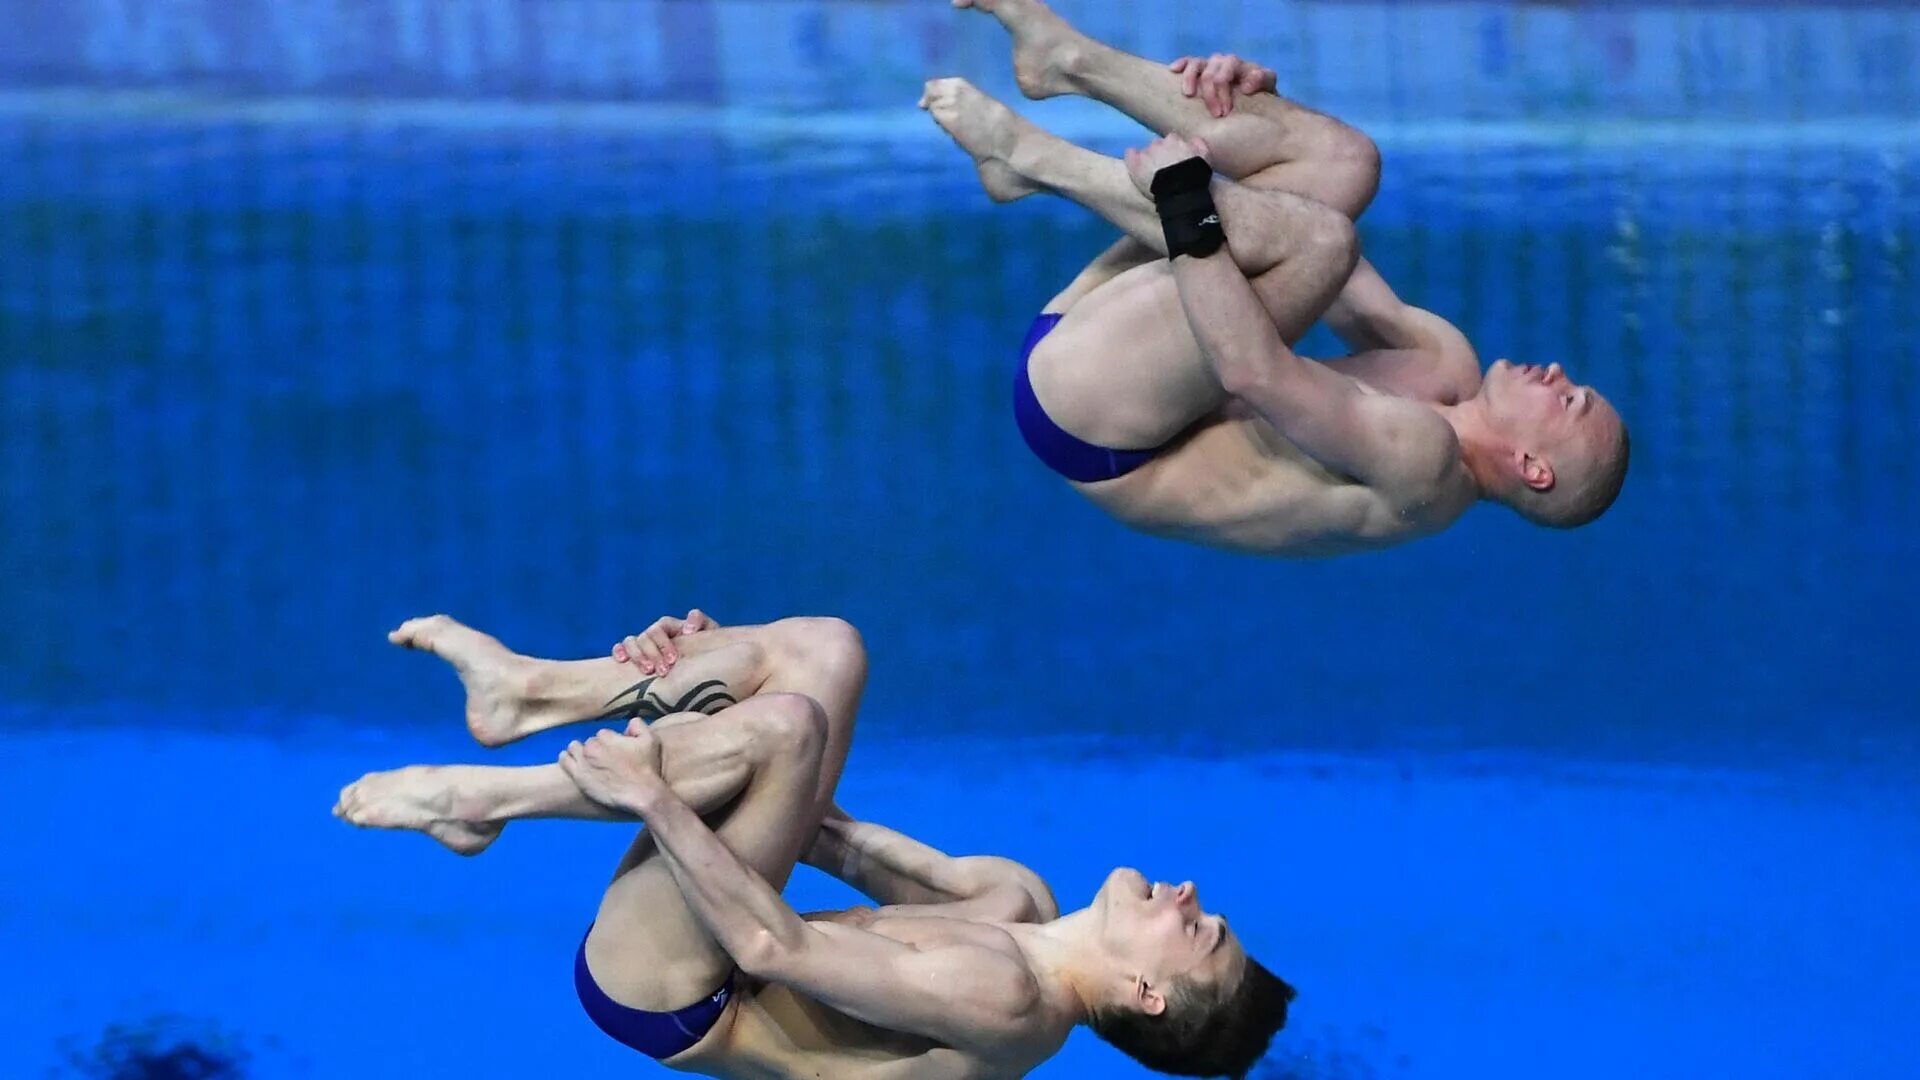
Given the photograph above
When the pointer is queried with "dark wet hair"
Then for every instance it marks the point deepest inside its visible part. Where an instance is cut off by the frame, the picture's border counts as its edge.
(1204, 1030)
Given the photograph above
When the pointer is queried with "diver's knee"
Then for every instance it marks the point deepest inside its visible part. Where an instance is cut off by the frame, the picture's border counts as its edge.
(1332, 239)
(1357, 150)
(827, 645)
(787, 727)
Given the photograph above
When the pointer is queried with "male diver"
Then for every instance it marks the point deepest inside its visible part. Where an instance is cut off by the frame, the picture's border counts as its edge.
(968, 970)
(1164, 389)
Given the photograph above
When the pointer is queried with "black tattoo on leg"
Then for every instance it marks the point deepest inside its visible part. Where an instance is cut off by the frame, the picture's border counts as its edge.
(641, 702)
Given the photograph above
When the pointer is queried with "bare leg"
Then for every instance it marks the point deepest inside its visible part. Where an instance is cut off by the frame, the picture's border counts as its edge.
(1267, 140)
(1266, 229)
(465, 806)
(761, 771)
(511, 696)
(647, 949)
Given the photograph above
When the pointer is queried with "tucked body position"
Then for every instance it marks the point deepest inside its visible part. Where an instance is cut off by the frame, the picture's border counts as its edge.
(1165, 389)
(733, 744)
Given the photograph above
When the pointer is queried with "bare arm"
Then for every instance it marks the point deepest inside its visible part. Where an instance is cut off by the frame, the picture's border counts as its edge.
(1266, 142)
(896, 869)
(1398, 347)
(965, 996)
(1390, 445)
(1369, 315)
(1285, 147)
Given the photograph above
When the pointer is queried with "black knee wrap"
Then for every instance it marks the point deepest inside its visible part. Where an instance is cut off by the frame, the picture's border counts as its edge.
(1181, 192)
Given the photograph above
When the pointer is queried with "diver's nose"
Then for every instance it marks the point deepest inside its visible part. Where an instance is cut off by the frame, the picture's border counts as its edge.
(1554, 371)
(1185, 892)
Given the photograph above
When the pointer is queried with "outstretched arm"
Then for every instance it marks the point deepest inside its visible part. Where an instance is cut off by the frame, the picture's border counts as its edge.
(966, 997)
(895, 869)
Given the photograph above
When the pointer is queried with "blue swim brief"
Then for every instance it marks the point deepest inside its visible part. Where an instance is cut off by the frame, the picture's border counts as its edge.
(1071, 457)
(659, 1035)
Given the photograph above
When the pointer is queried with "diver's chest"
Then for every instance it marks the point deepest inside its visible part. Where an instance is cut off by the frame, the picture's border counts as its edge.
(925, 932)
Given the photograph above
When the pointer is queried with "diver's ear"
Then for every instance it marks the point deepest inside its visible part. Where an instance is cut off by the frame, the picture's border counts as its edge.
(1146, 998)
(1535, 472)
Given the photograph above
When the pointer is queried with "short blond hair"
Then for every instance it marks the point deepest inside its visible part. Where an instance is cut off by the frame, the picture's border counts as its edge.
(1581, 498)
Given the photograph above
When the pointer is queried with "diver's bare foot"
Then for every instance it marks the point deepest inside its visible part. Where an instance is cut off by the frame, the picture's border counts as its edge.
(1045, 48)
(985, 129)
(495, 677)
(420, 798)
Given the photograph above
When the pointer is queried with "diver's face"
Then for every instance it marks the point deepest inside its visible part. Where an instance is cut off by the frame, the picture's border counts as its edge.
(1161, 931)
(1543, 411)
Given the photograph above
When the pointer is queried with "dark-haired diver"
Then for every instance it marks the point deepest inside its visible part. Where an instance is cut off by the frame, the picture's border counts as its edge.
(1164, 389)
(695, 960)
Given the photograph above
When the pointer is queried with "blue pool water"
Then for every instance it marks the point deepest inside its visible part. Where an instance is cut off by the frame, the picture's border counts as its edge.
(277, 372)
(1443, 915)
(301, 379)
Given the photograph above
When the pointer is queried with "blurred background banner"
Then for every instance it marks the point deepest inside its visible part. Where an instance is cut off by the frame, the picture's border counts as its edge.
(1439, 58)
